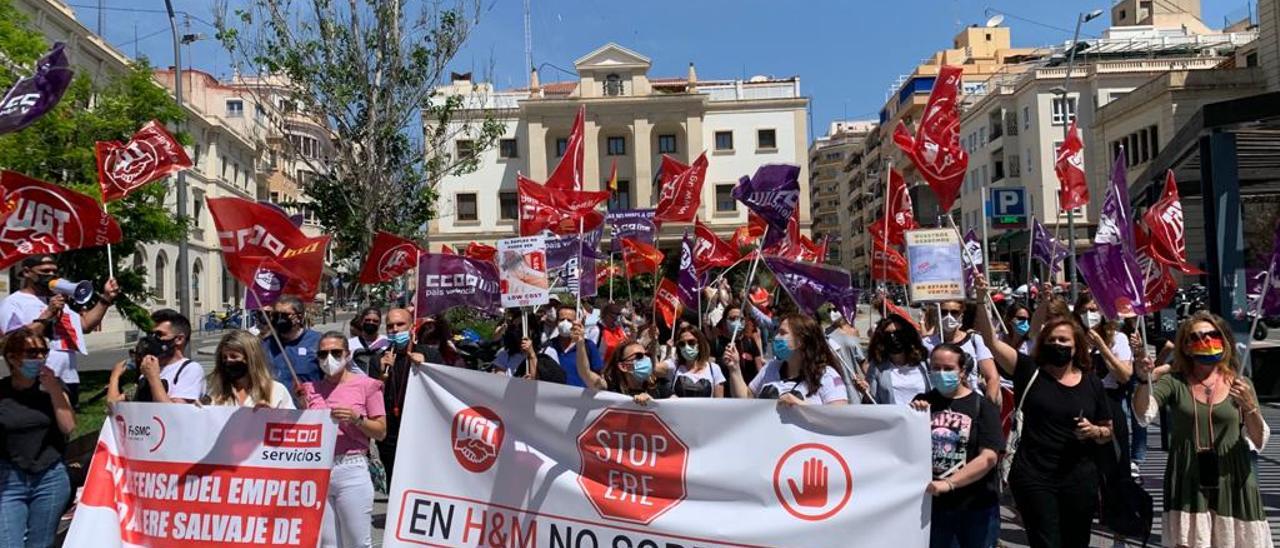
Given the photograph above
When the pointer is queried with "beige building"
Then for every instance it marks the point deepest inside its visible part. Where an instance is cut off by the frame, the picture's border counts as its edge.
(631, 119)
(1269, 42)
(828, 191)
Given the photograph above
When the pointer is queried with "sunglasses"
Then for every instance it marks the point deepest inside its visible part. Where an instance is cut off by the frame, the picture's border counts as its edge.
(1204, 335)
(953, 313)
(36, 352)
(324, 354)
(635, 357)
(689, 344)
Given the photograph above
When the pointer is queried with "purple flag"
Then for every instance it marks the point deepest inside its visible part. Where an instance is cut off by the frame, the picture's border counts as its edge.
(687, 282)
(773, 194)
(1115, 224)
(33, 96)
(1045, 248)
(811, 285)
(1256, 278)
(1113, 277)
(266, 289)
(446, 281)
(563, 253)
(636, 224)
(972, 256)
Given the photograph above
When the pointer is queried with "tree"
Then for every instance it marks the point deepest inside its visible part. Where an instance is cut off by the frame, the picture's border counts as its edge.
(372, 76)
(59, 149)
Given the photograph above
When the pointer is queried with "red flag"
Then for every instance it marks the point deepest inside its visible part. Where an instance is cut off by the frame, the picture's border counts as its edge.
(1159, 286)
(445, 249)
(42, 217)
(887, 264)
(1167, 244)
(151, 154)
(666, 299)
(253, 235)
(756, 225)
(670, 169)
(796, 246)
(709, 250)
(935, 149)
(898, 212)
(542, 208)
(899, 311)
(568, 173)
(823, 248)
(389, 257)
(605, 271)
(481, 252)
(639, 257)
(681, 197)
(1073, 190)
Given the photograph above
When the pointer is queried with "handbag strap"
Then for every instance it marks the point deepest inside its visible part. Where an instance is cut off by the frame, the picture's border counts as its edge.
(1027, 390)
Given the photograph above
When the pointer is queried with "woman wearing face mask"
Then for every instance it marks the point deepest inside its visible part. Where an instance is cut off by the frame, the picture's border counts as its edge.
(241, 377)
(436, 333)
(1211, 495)
(692, 372)
(35, 419)
(1112, 359)
(356, 403)
(896, 369)
(1018, 327)
(967, 440)
(1066, 416)
(366, 344)
(628, 371)
(803, 371)
(957, 328)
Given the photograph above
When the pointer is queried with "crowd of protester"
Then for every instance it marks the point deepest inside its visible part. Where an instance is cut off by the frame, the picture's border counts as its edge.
(1080, 389)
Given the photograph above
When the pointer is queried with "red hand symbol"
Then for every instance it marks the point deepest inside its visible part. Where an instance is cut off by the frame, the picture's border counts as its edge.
(813, 491)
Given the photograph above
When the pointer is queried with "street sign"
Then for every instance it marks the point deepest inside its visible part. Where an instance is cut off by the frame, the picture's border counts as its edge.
(1009, 208)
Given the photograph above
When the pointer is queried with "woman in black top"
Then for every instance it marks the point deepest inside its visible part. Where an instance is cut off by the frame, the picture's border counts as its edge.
(966, 441)
(1066, 415)
(628, 371)
(34, 424)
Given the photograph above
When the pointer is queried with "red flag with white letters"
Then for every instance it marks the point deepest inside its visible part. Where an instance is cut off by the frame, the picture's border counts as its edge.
(152, 154)
(935, 149)
(568, 173)
(681, 197)
(888, 264)
(481, 252)
(255, 236)
(709, 250)
(40, 217)
(1167, 243)
(543, 208)
(898, 216)
(666, 298)
(639, 257)
(670, 169)
(1073, 190)
(390, 256)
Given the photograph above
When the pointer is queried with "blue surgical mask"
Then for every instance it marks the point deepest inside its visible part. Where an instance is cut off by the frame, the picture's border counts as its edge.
(735, 325)
(642, 368)
(31, 368)
(400, 340)
(1022, 327)
(945, 382)
(690, 353)
(781, 350)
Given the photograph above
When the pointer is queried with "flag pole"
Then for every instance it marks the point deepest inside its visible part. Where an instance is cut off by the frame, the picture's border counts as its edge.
(1031, 240)
(578, 268)
(884, 270)
(1257, 315)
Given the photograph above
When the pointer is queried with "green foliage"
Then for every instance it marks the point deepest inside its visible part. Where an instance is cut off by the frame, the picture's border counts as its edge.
(59, 149)
(371, 73)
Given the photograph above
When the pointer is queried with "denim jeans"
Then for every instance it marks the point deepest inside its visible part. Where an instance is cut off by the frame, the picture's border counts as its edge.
(32, 505)
(1137, 433)
(964, 528)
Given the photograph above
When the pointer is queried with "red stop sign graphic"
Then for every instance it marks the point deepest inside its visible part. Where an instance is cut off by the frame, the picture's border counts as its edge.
(633, 466)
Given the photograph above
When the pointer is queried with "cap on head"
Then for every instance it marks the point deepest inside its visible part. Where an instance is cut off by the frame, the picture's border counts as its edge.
(37, 260)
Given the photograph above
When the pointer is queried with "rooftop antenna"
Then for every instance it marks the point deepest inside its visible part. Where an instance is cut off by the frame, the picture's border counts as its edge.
(101, 17)
(528, 44)
(994, 21)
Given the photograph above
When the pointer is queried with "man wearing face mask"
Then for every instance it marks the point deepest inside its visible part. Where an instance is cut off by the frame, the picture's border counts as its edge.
(517, 353)
(165, 375)
(393, 370)
(293, 343)
(35, 306)
(567, 352)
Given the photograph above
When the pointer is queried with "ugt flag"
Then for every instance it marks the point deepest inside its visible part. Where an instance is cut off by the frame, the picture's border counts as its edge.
(42, 217)
(152, 154)
(34, 96)
(389, 257)
(1073, 190)
(935, 149)
(568, 173)
(680, 198)
(1167, 243)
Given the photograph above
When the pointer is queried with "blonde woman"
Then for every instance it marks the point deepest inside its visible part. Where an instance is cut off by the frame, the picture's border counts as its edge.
(1211, 495)
(242, 377)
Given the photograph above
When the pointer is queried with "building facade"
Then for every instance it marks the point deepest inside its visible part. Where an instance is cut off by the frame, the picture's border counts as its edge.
(631, 121)
(828, 196)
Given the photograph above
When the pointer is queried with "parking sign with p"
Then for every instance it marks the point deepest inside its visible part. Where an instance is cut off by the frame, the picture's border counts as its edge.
(1009, 208)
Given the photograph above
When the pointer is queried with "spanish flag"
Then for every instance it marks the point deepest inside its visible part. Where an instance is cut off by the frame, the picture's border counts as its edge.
(613, 177)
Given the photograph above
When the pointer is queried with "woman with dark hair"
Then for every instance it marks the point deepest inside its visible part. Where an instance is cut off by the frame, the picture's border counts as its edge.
(1017, 324)
(628, 371)
(1211, 495)
(1112, 360)
(365, 342)
(1066, 416)
(35, 419)
(803, 371)
(435, 332)
(896, 369)
(692, 372)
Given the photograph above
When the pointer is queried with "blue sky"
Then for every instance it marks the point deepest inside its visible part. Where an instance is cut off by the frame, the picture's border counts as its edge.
(847, 53)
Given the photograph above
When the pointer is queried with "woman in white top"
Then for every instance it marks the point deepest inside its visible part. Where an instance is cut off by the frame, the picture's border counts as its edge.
(1112, 360)
(241, 376)
(957, 328)
(692, 372)
(896, 368)
(803, 371)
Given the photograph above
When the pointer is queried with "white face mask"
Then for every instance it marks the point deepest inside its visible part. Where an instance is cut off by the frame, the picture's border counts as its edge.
(564, 328)
(1092, 319)
(333, 365)
(950, 324)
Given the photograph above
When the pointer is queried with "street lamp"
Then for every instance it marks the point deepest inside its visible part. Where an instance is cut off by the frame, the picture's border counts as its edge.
(182, 277)
(1081, 19)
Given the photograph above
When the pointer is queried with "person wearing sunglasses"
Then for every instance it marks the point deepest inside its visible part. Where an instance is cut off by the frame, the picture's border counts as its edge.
(291, 344)
(35, 420)
(957, 328)
(1211, 495)
(897, 369)
(165, 374)
(629, 370)
(355, 401)
(692, 372)
(241, 376)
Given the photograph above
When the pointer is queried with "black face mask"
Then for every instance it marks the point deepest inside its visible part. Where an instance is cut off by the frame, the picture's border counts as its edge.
(282, 323)
(42, 283)
(235, 370)
(369, 328)
(151, 345)
(511, 341)
(894, 343)
(1056, 355)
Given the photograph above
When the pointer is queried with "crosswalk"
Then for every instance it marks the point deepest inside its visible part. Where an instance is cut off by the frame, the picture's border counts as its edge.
(1011, 534)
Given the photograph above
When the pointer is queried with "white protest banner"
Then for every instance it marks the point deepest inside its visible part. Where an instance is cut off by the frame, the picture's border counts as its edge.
(517, 463)
(935, 265)
(168, 475)
(522, 271)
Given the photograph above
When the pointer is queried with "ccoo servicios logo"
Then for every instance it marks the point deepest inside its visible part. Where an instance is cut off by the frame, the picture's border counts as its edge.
(288, 442)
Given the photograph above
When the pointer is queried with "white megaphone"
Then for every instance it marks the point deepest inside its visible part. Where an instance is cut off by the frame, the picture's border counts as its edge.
(79, 292)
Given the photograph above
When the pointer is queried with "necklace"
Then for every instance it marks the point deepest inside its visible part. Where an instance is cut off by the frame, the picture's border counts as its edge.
(1207, 388)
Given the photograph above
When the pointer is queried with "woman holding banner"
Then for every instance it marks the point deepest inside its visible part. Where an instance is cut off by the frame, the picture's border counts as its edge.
(896, 369)
(1211, 495)
(1054, 476)
(803, 371)
(356, 402)
(241, 376)
(628, 371)
(692, 372)
(35, 419)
